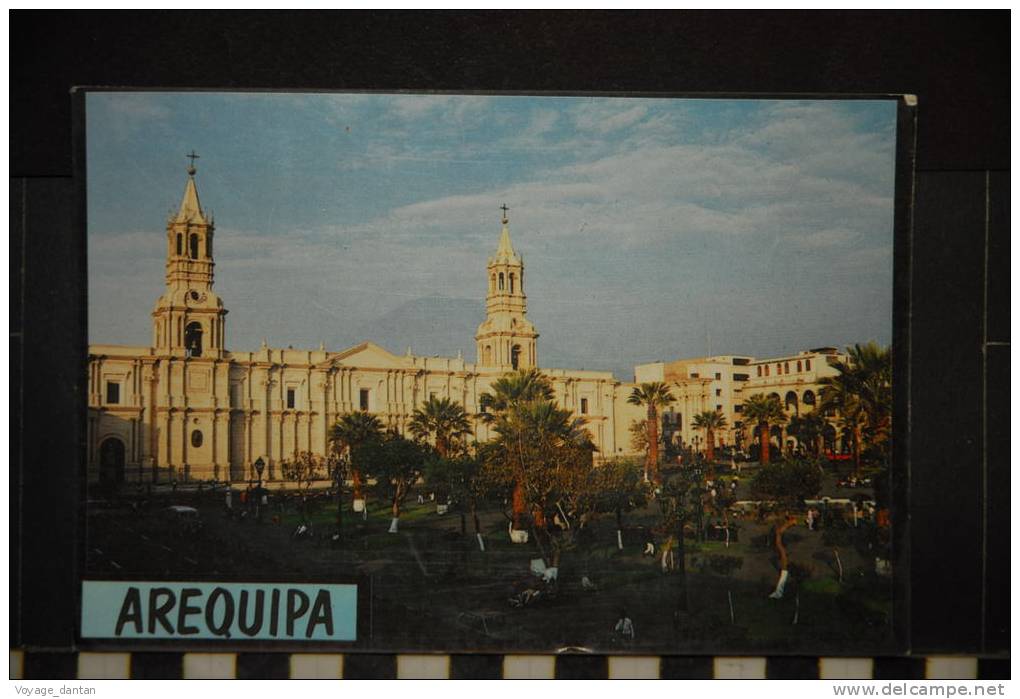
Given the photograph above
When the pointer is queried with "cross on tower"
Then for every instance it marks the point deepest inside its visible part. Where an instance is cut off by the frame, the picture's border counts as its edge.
(193, 156)
(505, 208)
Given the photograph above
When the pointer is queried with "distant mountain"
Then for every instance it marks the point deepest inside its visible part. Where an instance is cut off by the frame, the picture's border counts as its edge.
(431, 326)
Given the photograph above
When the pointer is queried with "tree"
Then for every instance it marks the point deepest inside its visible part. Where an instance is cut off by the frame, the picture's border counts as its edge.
(638, 435)
(304, 468)
(459, 478)
(861, 395)
(709, 421)
(807, 428)
(680, 495)
(789, 483)
(763, 411)
(620, 488)
(508, 394)
(352, 431)
(652, 395)
(442, 420)
(544, 456)
(396, 463)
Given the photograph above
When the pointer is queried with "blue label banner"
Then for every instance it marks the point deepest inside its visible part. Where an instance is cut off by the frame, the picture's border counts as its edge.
(219, 610)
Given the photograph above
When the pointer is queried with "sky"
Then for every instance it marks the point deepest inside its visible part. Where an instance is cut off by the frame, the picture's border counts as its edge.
(651, 229)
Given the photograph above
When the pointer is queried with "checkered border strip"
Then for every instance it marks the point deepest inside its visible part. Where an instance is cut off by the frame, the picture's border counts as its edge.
(168, 665)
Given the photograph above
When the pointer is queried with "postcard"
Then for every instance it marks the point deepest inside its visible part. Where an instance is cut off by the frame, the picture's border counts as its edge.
(493, 373)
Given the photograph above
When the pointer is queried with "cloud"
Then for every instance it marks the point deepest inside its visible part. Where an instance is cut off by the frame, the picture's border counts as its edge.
(645, 227)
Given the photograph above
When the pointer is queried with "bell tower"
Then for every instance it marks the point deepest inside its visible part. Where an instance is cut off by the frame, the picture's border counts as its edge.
(189, 318)
(506, 338)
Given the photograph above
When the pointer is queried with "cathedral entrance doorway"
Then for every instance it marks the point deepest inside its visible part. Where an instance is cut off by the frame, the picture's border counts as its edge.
(111, 461)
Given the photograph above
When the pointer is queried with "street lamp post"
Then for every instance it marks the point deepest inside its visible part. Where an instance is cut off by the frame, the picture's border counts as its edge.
(259, 466)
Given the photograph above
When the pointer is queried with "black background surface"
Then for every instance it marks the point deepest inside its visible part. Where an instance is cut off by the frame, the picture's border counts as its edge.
(958, 321)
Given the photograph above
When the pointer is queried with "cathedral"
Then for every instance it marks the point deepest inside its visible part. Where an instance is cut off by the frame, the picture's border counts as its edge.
(188, 409)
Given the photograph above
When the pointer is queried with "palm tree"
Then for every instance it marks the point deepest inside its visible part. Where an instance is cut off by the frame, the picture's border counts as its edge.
(546, 453)
(501, 405)
(861, 394)
(653, 395)
(807, 428)
(763, 411)
(442, 419)
(710, 421)
(512, 389)
(351, 432)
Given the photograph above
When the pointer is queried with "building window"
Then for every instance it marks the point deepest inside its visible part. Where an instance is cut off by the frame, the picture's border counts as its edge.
(515, 356)
(584, 406)
(500, 281)
(290, 398)
(196, 439)
(799, 369)
(208, 247)
(193, 246)
(718, 376)
(718, 391)
(766, 370)
(718, 408)
(759, 371)
(807, 364)
(363, 397)
(694, 375)
(112, 392)
(744, 377)
(786, 367)
(738, 408)
(180, 245)
(511, 283)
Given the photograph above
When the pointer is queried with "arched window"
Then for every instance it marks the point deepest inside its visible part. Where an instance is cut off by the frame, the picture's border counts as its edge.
(798, 366)
(208, 247)
(759, 370)
(515, 356)
(487, 355)
(492, 283)
(193, 246)
(809, 398)
(196, 439)
(180, 244)
(786, 367)
(766, 370)
(791, 402)
(511, 282)
(807, 364)
(193, 339)
(500, 281)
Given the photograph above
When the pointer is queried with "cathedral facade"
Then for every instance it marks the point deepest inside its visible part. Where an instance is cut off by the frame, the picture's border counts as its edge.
(186, 408)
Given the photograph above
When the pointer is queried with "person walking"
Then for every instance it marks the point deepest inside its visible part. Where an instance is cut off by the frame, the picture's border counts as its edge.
(624, 629)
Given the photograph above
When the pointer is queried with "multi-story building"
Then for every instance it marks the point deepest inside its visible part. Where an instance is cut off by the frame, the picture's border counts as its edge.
(722, 383)
(699, 384)
(796, 380)
(188, 408)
